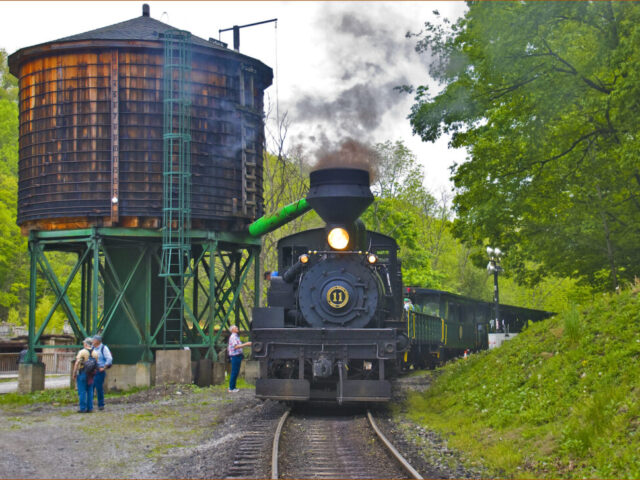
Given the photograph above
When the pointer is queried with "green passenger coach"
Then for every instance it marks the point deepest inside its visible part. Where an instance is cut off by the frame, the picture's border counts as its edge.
(443, 325)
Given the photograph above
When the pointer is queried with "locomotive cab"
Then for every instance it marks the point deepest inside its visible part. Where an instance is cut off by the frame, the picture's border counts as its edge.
(331, 329)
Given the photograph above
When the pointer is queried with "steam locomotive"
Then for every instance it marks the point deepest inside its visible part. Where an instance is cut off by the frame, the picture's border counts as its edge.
(334, 327)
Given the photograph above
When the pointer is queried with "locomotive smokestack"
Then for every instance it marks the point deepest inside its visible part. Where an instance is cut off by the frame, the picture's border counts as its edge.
(146, 11)
(339, 195)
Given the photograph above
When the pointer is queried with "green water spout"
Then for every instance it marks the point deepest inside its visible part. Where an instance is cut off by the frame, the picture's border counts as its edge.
(268, 223)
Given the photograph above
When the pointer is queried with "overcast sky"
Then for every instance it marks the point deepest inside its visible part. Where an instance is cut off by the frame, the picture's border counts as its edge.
(335, 63)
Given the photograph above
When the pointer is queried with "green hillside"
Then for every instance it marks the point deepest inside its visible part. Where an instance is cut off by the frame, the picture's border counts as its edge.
(560, 400)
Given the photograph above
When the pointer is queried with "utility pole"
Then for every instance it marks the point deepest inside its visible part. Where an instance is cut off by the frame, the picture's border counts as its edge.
(495, 255)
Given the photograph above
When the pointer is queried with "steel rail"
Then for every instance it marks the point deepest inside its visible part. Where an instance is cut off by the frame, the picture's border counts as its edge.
(410, 470)
(276, 444)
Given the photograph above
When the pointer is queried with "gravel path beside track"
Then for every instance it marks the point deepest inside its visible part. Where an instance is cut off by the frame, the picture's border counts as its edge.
(165, 432)
(181, 432)
(50, 381)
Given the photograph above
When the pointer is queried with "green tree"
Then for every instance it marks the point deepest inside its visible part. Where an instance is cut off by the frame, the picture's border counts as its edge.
(541, 95)
(8, 120)
(398, 173)
(14, 253)
(14, 256)
(401, 210)
(13, 246)
(8, 83)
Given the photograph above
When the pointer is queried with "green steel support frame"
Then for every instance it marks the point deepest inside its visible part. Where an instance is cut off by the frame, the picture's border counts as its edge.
(118, 272)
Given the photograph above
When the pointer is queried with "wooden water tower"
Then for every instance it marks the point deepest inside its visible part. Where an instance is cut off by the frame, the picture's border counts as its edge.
(141, 153)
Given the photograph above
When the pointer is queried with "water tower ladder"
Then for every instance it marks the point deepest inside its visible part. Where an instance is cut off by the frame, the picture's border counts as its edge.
(176, 206)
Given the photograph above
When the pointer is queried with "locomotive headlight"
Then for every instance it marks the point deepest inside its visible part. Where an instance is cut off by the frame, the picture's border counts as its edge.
(338, 238)
(304, 258)
(371, 258)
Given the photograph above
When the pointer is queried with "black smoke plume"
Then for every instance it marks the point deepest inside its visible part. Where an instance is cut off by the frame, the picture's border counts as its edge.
(369, 57)
(349, 154)
(356, 111)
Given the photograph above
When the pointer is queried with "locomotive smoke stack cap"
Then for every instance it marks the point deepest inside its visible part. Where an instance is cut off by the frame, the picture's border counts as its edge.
(339, 195)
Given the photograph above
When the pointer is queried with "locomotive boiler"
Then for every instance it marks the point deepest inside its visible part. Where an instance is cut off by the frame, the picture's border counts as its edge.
(333, 327)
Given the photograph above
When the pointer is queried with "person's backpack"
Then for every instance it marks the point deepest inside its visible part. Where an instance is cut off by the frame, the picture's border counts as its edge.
(90, 365)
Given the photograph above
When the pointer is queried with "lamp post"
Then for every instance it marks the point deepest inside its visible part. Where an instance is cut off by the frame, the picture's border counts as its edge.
(495, 255)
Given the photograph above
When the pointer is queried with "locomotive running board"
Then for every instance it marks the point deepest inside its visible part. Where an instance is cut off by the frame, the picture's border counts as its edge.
(361, 343)
(283, 389)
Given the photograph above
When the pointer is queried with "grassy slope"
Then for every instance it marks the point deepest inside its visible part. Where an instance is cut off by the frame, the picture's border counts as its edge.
(560, 400)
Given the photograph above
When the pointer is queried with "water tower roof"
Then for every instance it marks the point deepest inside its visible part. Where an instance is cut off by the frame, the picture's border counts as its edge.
(139, 28)
(128, 33)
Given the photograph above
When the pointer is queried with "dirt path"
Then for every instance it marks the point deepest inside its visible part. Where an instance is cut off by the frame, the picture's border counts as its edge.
(146, 436)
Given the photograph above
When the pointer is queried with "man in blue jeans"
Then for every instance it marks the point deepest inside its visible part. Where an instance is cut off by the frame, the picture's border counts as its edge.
(235, 355)
(105, 360)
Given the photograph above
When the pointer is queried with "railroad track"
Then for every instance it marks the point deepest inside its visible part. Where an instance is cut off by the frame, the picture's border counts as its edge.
(336, 446)
(252, 447)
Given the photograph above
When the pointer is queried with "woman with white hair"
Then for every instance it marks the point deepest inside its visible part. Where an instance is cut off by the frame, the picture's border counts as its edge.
(83, 371)
(235, 355)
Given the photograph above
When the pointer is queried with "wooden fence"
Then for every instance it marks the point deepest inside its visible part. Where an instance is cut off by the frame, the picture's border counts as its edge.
(55, 362)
